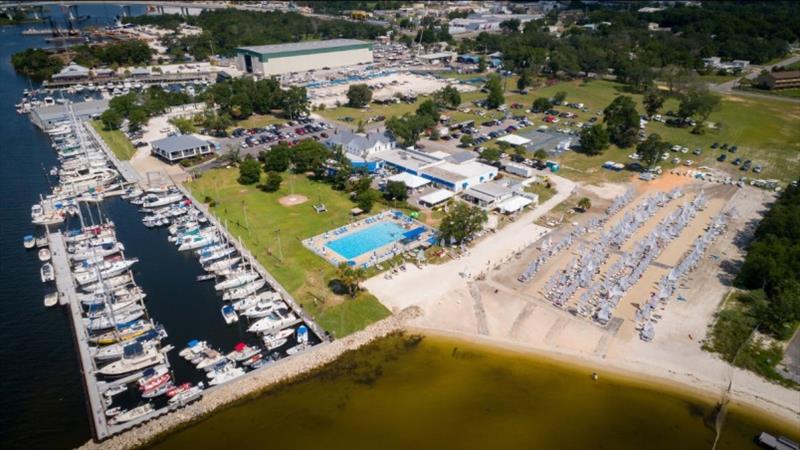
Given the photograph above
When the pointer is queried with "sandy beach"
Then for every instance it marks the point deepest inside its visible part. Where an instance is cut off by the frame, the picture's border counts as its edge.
(500, 310)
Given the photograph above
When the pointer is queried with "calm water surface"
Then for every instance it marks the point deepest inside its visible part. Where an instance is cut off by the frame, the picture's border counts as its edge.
(444, 394)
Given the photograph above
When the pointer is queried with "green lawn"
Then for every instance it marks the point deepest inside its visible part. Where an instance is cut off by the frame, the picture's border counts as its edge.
(397, 109)
(765, 131)
(257, 121)
(116, 141)
(271, 230)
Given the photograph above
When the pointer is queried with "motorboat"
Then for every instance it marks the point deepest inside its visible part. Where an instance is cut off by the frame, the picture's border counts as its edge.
(252, 300)
(228, 374)
(275, 320)
(296, 349)
(276, 340)
(175, 390)
(155, 201)
(107, 270)
(210, 358)
(117, 297)
(47, 273)
(44, 255)
(244, 291)
(229, 314)
(253, 359)
(29, 242)
(219, 368)
(199, 241)
(222, 264)
(111, 412)
(100, 251)
(192, 348)
(242, 351)
(135, 357)
(187, 396)
(236, 280)
(208, 256)
(133, 414)
(51, 299)
(115, 390)
(158, 390)
(105, 321)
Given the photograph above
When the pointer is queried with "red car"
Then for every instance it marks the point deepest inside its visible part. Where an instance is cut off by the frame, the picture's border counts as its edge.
(549, 119)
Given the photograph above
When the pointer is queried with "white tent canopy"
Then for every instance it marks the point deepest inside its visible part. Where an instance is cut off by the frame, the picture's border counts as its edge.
(514, 204)
(513, 139)
(412, 181)
(436, 197)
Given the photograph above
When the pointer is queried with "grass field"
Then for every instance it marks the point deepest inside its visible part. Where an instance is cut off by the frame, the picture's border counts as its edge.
(257, 121)
(116, 141)
(765, 131)
(274, 233)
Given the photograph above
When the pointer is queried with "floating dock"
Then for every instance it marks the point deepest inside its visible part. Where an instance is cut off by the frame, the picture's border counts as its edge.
(126, 170)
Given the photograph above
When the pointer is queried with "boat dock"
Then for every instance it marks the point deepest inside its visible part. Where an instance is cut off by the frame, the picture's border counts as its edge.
(125, 168)
(287, 297)
(154, 78)
(67, 294)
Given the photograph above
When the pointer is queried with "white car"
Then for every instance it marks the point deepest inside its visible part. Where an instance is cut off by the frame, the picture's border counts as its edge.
(634, 156)
(676, 160)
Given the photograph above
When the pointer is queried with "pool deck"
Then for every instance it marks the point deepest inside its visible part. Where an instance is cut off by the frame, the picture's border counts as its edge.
(319, 243)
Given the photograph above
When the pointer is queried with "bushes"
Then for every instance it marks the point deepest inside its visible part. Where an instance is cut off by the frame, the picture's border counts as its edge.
(36, 63)
(273, 183)
(249, 171)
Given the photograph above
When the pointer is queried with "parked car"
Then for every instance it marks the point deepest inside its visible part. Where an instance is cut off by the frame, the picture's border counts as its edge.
(722, 157)
(715, 145)
(757, 168)
(737, 161)
(697, 151)
(733, 149)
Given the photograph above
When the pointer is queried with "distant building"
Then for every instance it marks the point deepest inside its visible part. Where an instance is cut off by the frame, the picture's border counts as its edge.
(178, 147)
(267, 60)
(438, 58)
(454, 173)
(780, 80)
(715, 62)
(73, 72)
(46, 117)
(487, 22)
(360, 148)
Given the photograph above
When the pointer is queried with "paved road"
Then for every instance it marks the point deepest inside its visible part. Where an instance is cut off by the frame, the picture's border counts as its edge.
(728, 87)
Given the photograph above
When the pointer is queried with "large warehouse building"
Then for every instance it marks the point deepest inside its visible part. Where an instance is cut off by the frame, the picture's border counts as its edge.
(267, 60)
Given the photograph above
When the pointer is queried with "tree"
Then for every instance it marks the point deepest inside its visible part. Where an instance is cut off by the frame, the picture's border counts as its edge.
(584, 204)
(408, 127)
(541, 154)
(491, 154)
(447, 97)
(594, 140)
(217, 122)
(358, 95)
(466, 140)
(461, 222)
(541, 104)
(481, 64)
(138, 118)
(495, 87)
(524, 79)
(430, 109)
(653, 101)
(273, 183)
(185, 126)
(510, 25)
(651, 149)
(396, 190)
(310, 156)
(111, 119)
(365, 199)
(278, 158)
(249, 171)
(559, 97)
(698, 103)
(295, 102)
(622, 121)
(350, 278)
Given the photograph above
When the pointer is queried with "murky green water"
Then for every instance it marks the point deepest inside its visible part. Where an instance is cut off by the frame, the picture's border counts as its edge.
(435, 393)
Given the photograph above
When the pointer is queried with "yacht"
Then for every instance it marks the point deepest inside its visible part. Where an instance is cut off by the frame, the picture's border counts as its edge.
(100, 251)
(109, 283)
(208, 358)
(199, 241)
(155, 201)
(115, 351)
(222, 264)
(123, 333)
(228, 374)
(192, 348)
(107, 270)
(273, 341)
(133, 414)
(105, 321)
(252, 300)
(244, 291)
(262, 309)
(135, 357)
(187, 396)
(242, 351)
(236, 280)
(275, 320)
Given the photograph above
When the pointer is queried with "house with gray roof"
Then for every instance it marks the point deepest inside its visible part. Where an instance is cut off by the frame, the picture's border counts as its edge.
(72, 72)
(181, 146)
(361, 145)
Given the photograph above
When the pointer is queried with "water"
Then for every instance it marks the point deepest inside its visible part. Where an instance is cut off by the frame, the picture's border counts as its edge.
(442, 394)
(367, 240)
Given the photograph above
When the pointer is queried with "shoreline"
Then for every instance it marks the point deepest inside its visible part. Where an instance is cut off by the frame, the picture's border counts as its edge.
(632, 372)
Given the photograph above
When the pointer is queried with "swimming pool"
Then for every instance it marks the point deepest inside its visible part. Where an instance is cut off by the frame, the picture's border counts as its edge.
(367, 240)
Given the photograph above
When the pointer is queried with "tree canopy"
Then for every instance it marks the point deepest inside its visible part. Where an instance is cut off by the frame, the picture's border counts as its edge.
(651, 149)
(622, 121)
(249, 171)
(461, 223)
(494, 85)
(594, 140)
(358, 95)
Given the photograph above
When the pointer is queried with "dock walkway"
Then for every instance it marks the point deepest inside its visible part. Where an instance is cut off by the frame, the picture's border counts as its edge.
(125, 168)
(68, 296)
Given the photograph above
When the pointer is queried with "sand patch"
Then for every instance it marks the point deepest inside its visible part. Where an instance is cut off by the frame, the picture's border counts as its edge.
(292, 200)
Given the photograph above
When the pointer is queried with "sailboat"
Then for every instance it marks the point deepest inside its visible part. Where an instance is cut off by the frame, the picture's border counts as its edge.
(243, 291)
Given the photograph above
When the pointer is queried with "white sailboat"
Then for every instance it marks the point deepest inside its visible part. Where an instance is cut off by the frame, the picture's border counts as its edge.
(244, 291)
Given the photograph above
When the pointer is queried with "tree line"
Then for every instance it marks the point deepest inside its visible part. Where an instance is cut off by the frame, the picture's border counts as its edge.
(41, 64)
(138, 107)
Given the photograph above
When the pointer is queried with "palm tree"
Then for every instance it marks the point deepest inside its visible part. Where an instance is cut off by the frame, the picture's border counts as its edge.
(351, 278)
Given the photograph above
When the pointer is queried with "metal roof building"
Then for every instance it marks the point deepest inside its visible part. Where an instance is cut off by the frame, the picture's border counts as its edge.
(46, 117)
(175, 148)
(266, 60)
